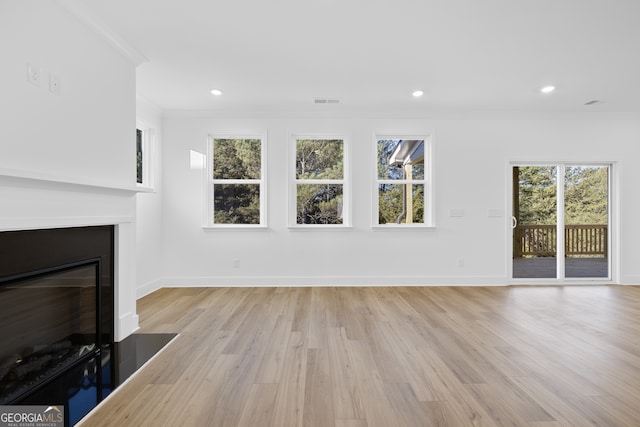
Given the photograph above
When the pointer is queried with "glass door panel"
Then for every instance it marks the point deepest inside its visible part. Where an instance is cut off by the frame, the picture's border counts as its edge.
(535, 208)
(586, 221)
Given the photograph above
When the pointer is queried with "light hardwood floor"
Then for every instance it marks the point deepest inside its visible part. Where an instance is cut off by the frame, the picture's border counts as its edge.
(393, 356)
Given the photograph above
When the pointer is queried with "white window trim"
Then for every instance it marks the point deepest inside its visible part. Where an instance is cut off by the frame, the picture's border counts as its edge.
(209, 181)
(429, 221)
(345, 181)
(148, 156)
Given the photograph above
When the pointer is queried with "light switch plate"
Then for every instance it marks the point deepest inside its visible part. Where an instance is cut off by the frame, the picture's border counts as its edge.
(34, 75)
(54, 84)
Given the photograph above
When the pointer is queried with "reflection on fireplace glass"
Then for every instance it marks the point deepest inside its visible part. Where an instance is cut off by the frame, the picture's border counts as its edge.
(48, 324)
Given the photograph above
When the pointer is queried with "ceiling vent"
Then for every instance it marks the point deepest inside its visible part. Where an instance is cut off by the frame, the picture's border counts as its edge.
(326, 101)
(595, 101)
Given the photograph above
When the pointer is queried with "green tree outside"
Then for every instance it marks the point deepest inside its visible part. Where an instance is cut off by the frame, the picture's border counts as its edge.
(236, 159)
(319, 159)
(585, 195)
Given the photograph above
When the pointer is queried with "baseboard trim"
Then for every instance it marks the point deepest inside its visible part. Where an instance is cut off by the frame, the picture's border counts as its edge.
(148, 288)
(630, 279)
(318, 281)
(128, 324)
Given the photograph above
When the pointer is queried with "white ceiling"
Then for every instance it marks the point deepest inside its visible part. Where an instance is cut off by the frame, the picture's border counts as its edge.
(466, 55)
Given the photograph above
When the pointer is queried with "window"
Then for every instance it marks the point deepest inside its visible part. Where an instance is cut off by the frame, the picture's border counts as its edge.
(235, 177)
(319, 185)
(144, 155)
(139, 150)
(403, 194)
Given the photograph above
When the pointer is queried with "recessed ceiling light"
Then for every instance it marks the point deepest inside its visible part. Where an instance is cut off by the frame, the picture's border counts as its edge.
(216, 92)
(418, 93)
(548, 89)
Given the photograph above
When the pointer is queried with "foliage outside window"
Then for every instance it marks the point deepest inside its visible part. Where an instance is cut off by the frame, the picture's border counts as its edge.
(236, 184)
(319, 186)
(402, 188)
(139, 157)
(144, 155)
(585, 194)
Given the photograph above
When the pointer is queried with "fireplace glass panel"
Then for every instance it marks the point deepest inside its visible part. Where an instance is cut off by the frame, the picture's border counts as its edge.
(48, 323)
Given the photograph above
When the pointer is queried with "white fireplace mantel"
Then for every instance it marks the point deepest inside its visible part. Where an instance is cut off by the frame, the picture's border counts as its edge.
(45, 177)
(31, 200)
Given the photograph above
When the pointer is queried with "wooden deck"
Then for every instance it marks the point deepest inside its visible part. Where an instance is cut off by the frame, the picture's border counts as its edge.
(545, 268)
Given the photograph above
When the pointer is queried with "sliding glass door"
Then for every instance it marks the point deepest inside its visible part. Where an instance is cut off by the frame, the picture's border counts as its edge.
(561, 221)
(586, 221)
(535, 219)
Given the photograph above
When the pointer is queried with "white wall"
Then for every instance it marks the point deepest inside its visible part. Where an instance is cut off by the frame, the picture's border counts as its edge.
(149, 214)
(94, 113)
(471, 172)
(86, 135)
(51, 146)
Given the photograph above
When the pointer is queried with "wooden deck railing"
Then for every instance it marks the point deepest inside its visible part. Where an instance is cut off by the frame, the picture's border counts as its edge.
(542, 240)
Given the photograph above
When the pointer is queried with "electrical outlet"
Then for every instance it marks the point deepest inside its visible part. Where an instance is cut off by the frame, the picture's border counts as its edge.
(34, 75)
(236, 263)
(54, 84)
(460, 262)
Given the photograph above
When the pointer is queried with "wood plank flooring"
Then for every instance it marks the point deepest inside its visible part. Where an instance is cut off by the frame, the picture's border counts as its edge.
(393, 356)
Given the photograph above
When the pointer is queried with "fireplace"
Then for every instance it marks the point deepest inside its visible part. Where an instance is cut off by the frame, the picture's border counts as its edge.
(48, 324)
(56, 313)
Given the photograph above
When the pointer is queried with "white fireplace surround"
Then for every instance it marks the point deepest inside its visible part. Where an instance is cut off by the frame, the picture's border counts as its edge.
(32, 201)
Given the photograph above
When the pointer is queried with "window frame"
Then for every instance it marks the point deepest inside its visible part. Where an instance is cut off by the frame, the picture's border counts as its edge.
(427, 182)
(148, 156)
(294, 181)
(210, 182)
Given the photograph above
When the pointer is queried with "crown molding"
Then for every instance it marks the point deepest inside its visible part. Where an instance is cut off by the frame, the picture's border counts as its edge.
(82, 13)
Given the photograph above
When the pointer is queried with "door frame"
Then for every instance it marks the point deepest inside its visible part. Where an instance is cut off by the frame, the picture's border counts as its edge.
(613, 221)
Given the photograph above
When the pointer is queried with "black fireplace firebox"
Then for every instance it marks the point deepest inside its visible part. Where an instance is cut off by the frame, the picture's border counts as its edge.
(56, 316)
(49, 323)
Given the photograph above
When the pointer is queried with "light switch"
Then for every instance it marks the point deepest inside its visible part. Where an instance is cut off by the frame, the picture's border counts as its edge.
(54, 84)
(34, 75)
